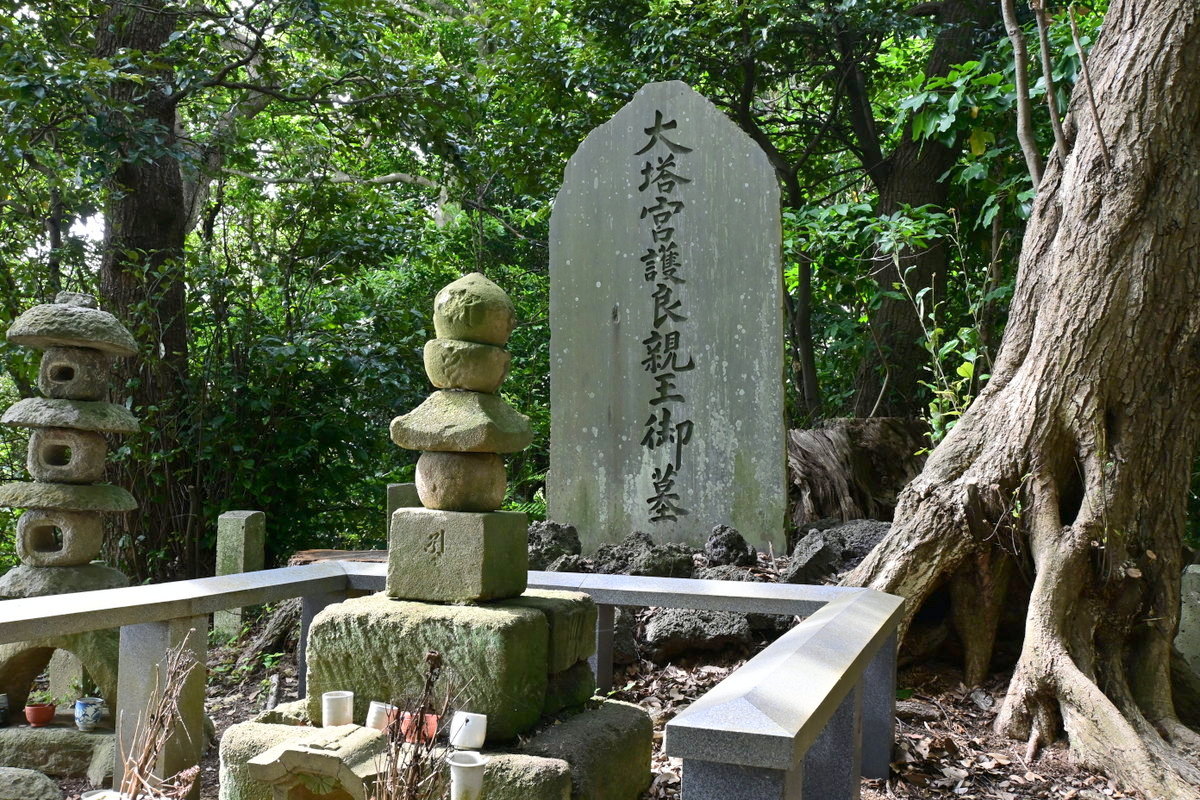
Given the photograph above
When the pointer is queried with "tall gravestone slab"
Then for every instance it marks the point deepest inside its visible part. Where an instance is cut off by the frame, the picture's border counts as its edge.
(666, 369)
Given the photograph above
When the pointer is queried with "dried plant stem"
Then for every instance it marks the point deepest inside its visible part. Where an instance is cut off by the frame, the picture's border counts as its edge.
(154, 729)
(415, 770)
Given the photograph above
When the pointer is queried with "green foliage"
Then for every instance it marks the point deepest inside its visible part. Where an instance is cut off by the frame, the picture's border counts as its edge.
(348, 158)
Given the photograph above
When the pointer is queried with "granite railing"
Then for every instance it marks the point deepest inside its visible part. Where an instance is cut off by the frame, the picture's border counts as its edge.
(805, 718)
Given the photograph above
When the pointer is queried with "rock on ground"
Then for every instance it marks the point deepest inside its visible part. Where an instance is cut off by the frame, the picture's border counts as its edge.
(728, 572)
(816, 556)
(569, 563)
(639, 555)
(550, 541)
(825, 551)
(26, 784)
(858, 538)
(725, 546)
(672, 631)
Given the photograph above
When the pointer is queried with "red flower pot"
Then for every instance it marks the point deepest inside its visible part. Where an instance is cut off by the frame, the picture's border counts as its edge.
(408, 727)
(40, 715)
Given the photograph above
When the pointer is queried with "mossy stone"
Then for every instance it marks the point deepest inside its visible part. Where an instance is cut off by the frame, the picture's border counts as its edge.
(83, 415)
(572, 617)
(244, 741)
(515, 776)
(494, 657)
(608, 749)
(474, 309)
(454, 364)
(463, 422)
(461, 481)
(74, 373)
(570, 688)
(66, 497)
(63, 325)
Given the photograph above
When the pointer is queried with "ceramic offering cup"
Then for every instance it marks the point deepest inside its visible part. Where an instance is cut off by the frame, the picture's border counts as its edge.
(466, 774)
(88, 712)
(337, 708)
(467, 731)
(379, 714)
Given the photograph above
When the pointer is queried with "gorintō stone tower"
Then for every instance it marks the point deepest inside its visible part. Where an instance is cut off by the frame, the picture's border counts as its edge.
(61, 530)
(458, 547)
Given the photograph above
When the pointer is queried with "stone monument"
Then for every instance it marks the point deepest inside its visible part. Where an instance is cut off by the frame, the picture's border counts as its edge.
(61, 530)
(666, 320)
(456, 584)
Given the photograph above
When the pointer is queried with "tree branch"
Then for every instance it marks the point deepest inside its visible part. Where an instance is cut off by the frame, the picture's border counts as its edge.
(337, 176)
(1087, 81)
(1043, 26)
(862, 120)
(1025, 135)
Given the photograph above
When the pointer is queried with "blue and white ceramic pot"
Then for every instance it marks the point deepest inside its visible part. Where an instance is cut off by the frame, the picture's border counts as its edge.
(88, 711)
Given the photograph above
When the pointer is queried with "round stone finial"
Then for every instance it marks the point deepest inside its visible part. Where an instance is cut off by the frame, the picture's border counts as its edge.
(473, 309)
(76, 299)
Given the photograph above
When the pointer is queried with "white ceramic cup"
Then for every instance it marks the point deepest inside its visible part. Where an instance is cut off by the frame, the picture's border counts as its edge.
(466, 774)
(467, 731)
(378, 714)
(337, 708)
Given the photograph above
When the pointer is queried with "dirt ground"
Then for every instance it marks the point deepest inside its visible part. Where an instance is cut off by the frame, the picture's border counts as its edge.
(945, 746)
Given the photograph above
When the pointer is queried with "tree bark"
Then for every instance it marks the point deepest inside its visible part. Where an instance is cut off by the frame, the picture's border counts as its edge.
(1074, 462)
(889, 374)
(142, 282)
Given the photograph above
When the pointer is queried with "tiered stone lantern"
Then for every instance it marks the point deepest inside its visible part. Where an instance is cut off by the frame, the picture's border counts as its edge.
(62, 526)
(61, 530)
(456, 584)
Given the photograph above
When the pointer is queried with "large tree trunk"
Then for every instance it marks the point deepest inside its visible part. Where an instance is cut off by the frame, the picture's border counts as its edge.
(889, 374)
(142, 282)
(1074, 462)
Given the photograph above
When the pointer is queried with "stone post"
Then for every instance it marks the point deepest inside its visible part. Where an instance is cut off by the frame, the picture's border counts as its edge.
(66, 673)
(241, 543)
(602, 661)
(833, 763)
(878, 688)
(142, 670)
(400, 495)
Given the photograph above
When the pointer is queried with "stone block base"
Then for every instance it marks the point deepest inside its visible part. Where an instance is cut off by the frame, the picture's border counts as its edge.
(512, 776)
(452, 556)
(572, 618)
(608, 749)
(60, 750)
(570, 688)
(495, 657)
